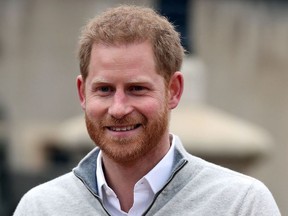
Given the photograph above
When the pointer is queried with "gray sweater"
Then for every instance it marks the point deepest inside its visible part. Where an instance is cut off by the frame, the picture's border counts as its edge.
(196, 187)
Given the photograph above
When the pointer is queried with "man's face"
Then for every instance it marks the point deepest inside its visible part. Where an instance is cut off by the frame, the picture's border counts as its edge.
(125, 101)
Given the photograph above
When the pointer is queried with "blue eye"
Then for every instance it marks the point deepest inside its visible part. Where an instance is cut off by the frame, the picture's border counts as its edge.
(105, 89)
(137, 88)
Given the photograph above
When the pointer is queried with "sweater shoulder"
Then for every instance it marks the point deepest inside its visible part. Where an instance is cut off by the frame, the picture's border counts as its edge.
(218, 180)
(59, 184)
(57, 195)
(216, 190)
(200, 167)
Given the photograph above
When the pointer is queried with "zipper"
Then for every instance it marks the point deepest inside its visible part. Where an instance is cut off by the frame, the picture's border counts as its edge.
(169, 180)
(92, 192)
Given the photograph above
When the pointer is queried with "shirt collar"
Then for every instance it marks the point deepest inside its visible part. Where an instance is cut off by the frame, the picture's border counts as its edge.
(100, 174)
(156, 178)
(159, 175)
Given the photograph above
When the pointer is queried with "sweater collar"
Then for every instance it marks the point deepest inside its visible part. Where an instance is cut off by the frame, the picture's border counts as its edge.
(86, 169)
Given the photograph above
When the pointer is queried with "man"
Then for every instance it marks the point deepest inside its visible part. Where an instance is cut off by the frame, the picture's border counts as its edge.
(130, 59)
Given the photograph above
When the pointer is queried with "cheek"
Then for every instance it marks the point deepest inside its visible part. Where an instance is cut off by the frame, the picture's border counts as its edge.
(151, 109)
(94, 109)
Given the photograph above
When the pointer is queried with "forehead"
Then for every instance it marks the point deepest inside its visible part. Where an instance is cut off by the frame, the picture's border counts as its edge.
(140, 48)
(125, 56)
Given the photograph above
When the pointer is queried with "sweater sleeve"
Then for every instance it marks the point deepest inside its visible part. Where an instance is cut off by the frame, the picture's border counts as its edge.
(65, 196)
(259, 201)
(25, 206)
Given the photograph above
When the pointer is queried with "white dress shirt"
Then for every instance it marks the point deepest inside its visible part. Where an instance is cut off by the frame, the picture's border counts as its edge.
(144, 190)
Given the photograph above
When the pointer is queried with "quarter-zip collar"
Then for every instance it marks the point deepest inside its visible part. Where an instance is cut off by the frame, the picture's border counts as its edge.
(86, 169)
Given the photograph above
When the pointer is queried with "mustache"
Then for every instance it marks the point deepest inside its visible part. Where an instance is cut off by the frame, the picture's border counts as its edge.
(126, 120)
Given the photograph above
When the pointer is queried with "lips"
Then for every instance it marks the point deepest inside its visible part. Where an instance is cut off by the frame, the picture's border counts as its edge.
(123, 128)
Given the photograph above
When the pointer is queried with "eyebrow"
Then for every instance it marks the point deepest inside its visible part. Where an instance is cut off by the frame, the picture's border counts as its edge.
(99, 80)
(131, 81)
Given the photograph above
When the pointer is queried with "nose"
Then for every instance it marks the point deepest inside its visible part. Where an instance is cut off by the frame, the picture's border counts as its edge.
(120, 105)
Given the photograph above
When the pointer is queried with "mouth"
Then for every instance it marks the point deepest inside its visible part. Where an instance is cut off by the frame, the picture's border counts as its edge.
(123, 128)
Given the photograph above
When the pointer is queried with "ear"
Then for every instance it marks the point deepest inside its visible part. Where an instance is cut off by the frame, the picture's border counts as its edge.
(175, 89)
(81, 91)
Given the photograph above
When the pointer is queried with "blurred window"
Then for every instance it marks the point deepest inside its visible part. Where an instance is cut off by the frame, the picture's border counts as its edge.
(179, 13)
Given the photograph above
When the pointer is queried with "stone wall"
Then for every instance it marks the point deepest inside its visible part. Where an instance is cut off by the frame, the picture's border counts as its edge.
(244, 46)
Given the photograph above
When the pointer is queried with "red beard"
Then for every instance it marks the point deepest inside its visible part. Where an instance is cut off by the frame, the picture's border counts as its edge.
(125, 150)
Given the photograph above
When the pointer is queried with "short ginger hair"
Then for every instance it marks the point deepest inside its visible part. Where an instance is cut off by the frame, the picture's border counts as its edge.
(133, 24)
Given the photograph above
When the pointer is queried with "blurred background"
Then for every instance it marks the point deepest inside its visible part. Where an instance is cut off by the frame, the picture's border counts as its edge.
(234, 110)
